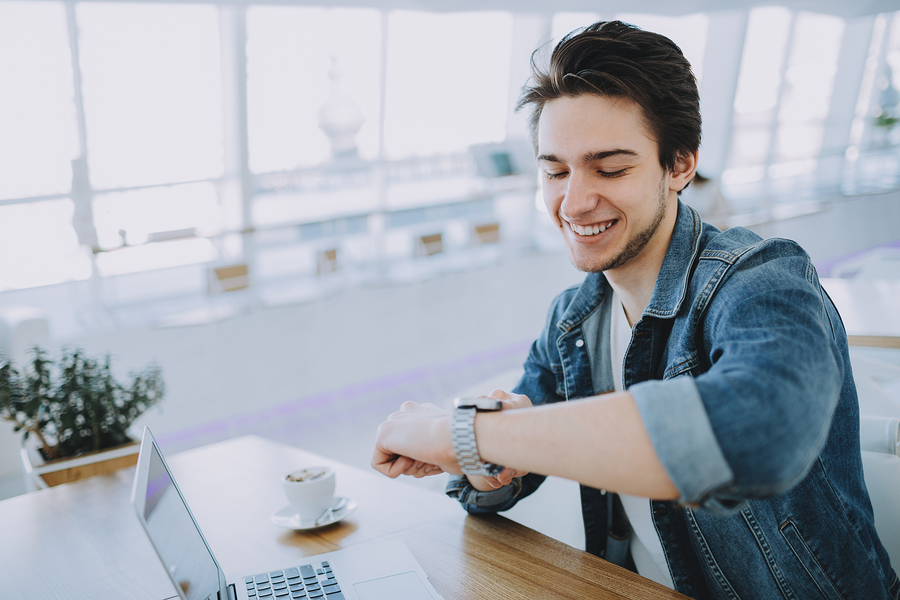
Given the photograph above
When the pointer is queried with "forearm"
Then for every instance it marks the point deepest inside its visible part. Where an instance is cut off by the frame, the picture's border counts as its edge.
(600, 442)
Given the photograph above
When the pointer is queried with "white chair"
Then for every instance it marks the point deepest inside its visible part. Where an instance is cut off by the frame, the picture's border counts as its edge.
(21, 329)
(883, 480)
(879, 430)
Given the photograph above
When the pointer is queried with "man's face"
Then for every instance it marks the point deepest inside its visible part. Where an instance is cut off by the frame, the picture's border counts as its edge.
(602, 181)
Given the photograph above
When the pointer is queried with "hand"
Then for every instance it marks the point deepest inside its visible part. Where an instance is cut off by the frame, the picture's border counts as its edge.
(415, 441)
(510, 401)
(484, 483)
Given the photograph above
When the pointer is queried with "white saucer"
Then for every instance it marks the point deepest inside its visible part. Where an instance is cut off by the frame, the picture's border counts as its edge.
(288, 517)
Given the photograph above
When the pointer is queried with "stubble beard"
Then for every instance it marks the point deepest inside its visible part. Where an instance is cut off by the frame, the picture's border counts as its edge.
(637, 243)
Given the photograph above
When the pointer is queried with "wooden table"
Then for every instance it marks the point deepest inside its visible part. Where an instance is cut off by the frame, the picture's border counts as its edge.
(83, 540)
(870, 309)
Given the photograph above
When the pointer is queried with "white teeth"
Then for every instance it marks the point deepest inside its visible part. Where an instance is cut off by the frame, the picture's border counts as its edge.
(590, 229)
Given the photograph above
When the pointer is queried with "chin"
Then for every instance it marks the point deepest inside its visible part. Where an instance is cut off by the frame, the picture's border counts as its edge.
(588, 264)
(593, 258)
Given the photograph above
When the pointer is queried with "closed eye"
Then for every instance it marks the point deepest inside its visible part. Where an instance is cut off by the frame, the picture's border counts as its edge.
(558, 175)
(613, 174)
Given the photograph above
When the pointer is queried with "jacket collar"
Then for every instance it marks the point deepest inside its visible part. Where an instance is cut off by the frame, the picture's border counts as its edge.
(675, 273)
(671, 283)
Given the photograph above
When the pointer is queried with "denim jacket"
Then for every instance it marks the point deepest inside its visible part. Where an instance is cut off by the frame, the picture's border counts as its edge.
(740, 369)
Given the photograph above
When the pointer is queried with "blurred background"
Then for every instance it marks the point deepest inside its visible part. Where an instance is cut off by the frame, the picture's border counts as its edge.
(309, 214)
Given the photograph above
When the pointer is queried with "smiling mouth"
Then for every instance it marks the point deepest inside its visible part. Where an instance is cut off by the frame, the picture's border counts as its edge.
(591, 230)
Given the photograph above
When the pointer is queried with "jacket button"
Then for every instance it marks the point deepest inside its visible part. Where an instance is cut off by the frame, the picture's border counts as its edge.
(579, 343)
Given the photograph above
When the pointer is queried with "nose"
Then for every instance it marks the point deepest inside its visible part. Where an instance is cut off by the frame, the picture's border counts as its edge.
(581, 197)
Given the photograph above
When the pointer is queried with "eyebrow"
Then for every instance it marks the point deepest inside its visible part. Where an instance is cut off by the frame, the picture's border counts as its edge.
(590, 156)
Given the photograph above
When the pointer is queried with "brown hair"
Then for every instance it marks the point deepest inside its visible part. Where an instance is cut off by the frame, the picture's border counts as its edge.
(611, 58)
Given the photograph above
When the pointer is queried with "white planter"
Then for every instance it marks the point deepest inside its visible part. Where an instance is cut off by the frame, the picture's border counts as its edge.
(40, 474)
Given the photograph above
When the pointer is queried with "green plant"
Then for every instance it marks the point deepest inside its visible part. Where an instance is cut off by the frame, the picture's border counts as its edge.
(886, 121)
(74, 405)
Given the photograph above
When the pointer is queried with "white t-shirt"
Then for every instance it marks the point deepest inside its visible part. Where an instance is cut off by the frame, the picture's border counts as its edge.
(646, 549)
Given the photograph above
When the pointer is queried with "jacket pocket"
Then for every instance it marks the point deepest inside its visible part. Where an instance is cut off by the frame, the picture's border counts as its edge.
(801, 550)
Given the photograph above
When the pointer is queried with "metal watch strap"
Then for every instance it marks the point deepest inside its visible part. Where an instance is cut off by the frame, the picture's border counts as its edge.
(463, 432)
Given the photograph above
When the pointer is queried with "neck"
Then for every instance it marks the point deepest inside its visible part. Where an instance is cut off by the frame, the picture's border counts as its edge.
(635, 281)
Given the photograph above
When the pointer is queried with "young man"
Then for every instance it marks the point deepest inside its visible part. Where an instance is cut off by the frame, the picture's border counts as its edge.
(697, 383)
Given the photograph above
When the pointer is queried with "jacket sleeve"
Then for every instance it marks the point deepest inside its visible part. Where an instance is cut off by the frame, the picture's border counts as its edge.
(753, 418)
(539, 383)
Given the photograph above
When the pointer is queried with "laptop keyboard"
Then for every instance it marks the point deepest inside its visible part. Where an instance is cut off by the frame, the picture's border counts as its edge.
(306, 582)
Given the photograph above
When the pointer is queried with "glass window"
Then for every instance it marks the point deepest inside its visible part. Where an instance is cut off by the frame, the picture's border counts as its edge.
(447, 81)
(152, 92)
(155, 214)
(759, 83)
(689, 32)
(173, 253)
(889, 84)
(764, 53)
(893, 50)
(291, 53)
(566, 22)
(39, 245)
(808, 83)
(38, 135)
(879, 99)
(799, 90)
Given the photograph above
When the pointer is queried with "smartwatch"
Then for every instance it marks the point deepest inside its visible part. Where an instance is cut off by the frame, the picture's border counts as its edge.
(463, 432)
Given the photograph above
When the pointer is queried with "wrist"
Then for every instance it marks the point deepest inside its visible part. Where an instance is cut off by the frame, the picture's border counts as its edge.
(444, 437)
(480, 483)
(481, 432)
(462, 429)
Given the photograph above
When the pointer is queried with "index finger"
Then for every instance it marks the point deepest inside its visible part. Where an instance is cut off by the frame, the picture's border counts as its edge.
(384, 462)
(400, 466)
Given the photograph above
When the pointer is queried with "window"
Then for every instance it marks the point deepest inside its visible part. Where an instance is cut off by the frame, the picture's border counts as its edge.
(291, 54)
(808, 83)
(155, 214)
(447, 81)
(566, 22)
(152, 93)
(38, 141)
(127, 131)
(689, 32)
(38, 133)
(783, 95)
(39, 245)
(879, 96)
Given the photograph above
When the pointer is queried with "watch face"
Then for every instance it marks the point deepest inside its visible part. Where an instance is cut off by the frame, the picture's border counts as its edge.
(478, 403)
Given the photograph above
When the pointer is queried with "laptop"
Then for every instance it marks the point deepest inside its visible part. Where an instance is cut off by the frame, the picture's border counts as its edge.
(372, 571)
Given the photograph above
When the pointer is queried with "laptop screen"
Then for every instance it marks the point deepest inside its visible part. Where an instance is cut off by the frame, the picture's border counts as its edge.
(174, 534)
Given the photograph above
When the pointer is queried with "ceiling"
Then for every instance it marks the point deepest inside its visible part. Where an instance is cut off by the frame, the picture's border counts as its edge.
(843, 8)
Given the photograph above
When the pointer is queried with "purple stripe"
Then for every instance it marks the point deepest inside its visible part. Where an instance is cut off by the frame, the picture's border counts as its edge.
(825, 267)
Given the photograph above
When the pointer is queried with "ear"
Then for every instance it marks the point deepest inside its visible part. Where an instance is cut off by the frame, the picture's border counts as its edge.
(685, 167)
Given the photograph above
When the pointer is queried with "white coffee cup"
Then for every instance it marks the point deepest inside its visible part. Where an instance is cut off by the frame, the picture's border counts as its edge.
(310, 491)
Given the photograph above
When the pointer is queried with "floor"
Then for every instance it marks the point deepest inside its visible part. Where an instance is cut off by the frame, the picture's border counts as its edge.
(323, 374)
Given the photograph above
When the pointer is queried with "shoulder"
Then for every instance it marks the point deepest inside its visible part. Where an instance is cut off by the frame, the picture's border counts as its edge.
(736, 264)
(738, 243)
(739, 249)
